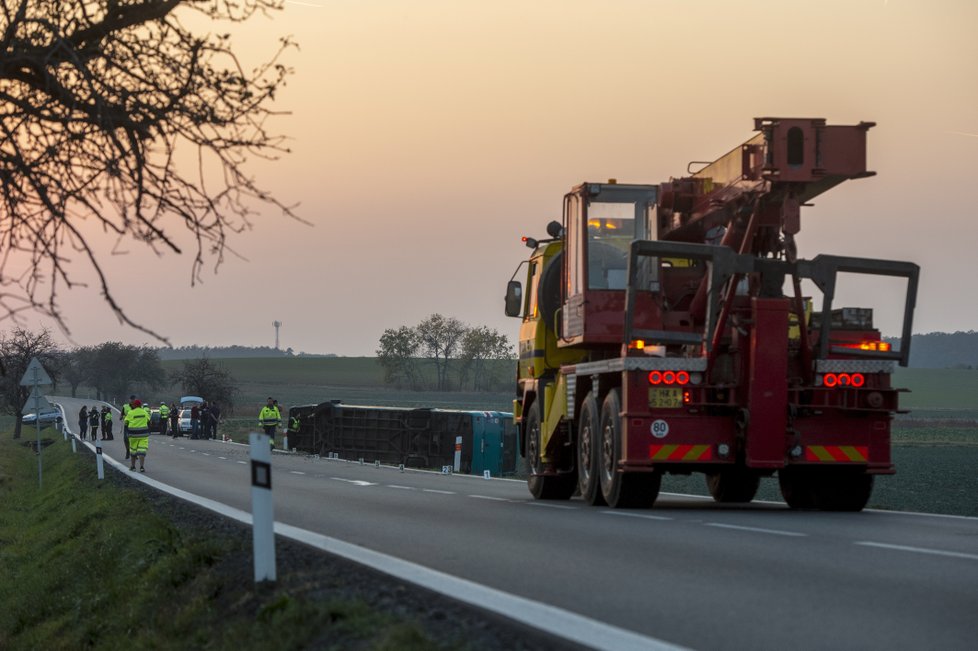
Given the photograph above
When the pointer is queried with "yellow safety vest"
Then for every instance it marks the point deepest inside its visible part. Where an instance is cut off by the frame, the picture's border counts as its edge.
(164, 410)
(269, 416)
(138, 421)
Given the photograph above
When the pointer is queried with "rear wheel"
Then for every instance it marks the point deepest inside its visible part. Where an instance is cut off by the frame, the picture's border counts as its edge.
(797, 488)
(838, 491)
(733, 485)
(543, 487)
(621, 490)
(588, 443)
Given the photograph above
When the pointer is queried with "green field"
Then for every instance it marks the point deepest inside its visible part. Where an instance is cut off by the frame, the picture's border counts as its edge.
(948, 393)
(354, 380)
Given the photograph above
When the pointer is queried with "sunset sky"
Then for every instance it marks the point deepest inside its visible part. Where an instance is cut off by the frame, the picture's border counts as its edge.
(429, 135)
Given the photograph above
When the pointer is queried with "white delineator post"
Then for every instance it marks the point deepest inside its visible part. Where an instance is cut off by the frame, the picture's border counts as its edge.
(262, 516)
(98, 459)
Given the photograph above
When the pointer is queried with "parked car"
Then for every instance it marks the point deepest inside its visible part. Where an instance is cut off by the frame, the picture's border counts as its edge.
(186, 404)
(48, 417)
(185, 421)
(154, 421)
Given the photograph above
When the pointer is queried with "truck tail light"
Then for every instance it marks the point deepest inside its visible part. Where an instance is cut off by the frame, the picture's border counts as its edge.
(832, 380)
(680, 378)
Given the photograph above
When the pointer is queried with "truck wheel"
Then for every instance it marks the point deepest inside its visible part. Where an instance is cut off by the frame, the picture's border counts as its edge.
(543, 487)
(797, 488)
(733, 485)
(588, 443)
(838, 491)
(621, 490)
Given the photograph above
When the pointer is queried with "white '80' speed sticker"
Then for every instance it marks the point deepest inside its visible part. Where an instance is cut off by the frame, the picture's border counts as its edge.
(660, 428)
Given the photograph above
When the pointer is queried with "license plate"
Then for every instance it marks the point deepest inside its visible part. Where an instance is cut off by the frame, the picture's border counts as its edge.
(665, 398)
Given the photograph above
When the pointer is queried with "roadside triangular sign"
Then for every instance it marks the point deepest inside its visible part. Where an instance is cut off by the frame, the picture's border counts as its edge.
(41, 404)
(35, 374)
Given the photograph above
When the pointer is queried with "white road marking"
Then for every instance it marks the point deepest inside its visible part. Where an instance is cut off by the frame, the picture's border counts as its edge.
(225, 458)
(207, 454)
(182, 448)
(403, 488)
(433, 490)
(356, 482)
(297, 472)
(488, 497)
(553, 506)
(644, 516)
(244, 463)
(918, 550)
(776, 532)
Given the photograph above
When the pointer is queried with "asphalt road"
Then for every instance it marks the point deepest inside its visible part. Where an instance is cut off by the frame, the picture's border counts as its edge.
(689, 571)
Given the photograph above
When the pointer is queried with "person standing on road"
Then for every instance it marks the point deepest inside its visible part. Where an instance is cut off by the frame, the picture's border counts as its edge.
(215, 419)
(269, 419)
(106, 424)
(83, 422)
(194, 421)
(175, 420)
(164, 417)
(126, 408)
(205, 421)
(138, 425)
(94, 418)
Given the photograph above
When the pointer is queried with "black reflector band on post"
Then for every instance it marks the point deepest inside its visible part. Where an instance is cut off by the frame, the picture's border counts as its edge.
(261, 474)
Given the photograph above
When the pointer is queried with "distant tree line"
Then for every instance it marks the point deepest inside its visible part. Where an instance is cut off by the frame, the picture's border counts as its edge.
(458, 356)
(227, 352)
(114, 370)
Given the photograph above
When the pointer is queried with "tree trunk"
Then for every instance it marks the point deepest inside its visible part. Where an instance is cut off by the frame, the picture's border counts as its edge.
(17, 426)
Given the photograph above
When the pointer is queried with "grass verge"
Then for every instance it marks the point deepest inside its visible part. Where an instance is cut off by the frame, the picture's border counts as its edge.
(116, 565)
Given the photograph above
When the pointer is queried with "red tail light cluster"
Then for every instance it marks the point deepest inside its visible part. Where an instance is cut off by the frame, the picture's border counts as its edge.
(832, 380)
(669, 377)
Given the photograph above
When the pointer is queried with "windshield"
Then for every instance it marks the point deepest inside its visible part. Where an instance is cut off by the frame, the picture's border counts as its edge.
(610, 231)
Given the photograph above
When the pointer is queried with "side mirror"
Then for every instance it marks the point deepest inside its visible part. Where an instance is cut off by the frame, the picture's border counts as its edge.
(514, 298)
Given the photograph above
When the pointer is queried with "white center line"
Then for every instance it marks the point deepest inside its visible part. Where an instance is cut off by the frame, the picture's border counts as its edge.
(244, 463)
(553, 506)
(644, 516)
(182, 448)
(225, 458)
(776, 532)
(487, 497)
(918, 550)
(404, 488)
(297, 472)
(207, 454)
(433, 490)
